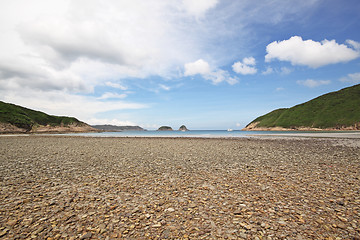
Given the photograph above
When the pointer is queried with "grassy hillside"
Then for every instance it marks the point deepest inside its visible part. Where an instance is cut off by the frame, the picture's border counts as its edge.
(26, 118)
(333, 110)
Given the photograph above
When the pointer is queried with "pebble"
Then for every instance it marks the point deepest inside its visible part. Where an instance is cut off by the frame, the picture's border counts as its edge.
(170, 210)
(141, 188)
(86, 235)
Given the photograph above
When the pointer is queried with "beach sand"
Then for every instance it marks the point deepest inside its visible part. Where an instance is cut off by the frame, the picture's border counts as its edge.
(58, 187)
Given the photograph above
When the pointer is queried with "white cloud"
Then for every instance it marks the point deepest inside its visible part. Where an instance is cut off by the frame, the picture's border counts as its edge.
(310, 53)
(249, 61)
(110, 95)
(116, 85)
(198, 67)
(279, 89)
(232, 80)
(313, 83)
(354, 44)
(245, 67)
(202, 68)
(353, 78)
(199, 7)
(219, 76)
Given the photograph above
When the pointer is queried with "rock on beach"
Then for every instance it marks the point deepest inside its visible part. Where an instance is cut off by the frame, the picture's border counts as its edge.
(59, 187)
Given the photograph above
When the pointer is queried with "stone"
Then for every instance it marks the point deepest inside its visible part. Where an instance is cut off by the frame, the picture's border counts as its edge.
(86, 235)
(157, 225)
(170, 209)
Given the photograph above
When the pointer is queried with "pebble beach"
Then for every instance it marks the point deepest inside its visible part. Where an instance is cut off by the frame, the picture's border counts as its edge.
(61, 187)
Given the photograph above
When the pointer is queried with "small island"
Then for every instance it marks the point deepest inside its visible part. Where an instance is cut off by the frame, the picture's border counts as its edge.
(165, 128)
(183, 128)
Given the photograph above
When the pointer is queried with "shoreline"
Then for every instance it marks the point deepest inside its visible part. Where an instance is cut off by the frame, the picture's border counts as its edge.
(324, 134)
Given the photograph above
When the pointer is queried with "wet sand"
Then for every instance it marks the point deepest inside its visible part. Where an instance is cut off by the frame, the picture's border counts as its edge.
(57, 187)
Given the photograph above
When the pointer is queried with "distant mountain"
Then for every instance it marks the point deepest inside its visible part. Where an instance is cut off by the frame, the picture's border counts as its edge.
(333, 111)
(17, 119)
(113, 128)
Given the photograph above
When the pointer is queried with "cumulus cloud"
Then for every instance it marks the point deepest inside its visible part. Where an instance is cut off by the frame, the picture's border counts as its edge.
(202, 68)
(245, 67)
(353, 78)
(198, 67)
(313, 83)
(311, 53)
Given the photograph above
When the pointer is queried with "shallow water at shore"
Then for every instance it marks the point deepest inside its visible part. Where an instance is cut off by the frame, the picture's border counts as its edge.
(222, 134)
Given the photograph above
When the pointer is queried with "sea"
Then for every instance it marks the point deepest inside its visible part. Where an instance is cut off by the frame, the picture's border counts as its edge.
(185, 134)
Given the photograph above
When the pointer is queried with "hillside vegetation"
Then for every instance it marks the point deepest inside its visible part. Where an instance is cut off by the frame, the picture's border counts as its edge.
(27, 119)
(335, 110)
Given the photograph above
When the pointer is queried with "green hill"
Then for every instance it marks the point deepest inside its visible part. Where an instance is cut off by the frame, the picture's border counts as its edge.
(335, 110)
(29, 120)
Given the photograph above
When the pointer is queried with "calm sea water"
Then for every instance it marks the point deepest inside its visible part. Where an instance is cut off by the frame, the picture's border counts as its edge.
(192, 133)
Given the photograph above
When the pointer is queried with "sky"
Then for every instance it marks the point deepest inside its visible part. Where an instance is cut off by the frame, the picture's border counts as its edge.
(207, 64)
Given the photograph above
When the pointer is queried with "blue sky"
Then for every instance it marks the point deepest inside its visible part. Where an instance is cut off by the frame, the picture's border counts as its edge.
(208, 64)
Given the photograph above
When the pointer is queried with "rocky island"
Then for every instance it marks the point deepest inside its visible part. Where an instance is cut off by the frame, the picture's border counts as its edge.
(333, 111)
(165, 128)
(183, 128)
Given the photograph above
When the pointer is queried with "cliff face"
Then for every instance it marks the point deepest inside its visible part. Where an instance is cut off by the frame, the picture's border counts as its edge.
(71, 128)
(333, 111)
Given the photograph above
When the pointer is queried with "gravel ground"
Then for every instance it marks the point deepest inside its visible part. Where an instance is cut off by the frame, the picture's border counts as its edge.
(57, 187)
